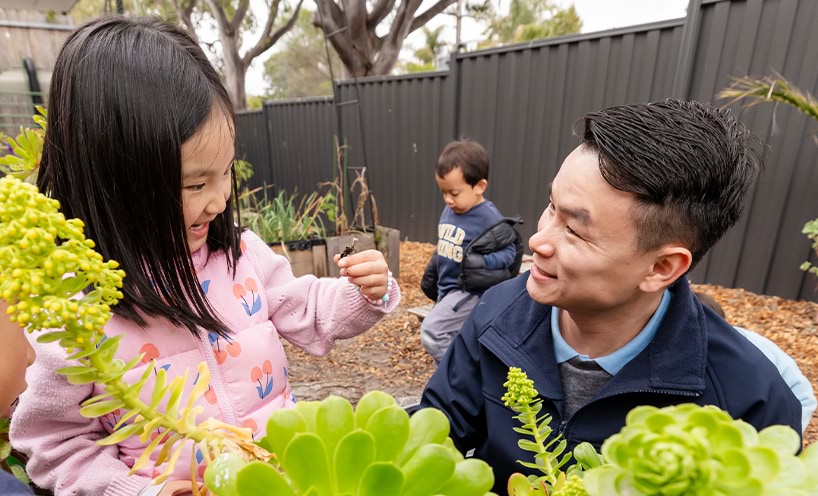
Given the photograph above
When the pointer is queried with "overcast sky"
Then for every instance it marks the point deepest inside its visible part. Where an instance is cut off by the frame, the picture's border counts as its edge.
(596, 15)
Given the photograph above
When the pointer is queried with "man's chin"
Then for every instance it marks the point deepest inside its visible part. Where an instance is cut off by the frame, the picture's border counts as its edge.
(537, 294)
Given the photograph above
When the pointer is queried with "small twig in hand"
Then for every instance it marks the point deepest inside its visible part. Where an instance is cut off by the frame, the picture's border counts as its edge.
(349, 250)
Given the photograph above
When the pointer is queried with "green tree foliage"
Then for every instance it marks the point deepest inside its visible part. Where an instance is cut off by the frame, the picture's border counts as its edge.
(526, 20)
(300, 68)
(427, 55)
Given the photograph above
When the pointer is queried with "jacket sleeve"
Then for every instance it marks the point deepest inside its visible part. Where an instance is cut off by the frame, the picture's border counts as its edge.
(428, 283)
(61, 443)
(310, 312)
(788, 368)
(456, 389)
(501, 258)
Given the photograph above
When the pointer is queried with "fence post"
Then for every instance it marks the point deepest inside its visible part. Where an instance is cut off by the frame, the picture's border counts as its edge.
(455, 70)
(687, 51)
(268, 141)
(33, 84)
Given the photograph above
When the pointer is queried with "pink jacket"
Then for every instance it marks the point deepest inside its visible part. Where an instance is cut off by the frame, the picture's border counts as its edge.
(248, 370)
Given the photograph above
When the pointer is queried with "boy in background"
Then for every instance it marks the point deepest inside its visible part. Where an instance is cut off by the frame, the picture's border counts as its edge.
(477, 247)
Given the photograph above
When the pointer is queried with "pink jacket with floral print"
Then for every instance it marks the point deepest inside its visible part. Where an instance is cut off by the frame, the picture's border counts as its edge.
(248, 370)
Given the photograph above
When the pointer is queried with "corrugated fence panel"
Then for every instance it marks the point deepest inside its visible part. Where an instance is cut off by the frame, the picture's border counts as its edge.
(521, 102)
(252, 146)
(406, 123)
(754, 37)
(301, 143)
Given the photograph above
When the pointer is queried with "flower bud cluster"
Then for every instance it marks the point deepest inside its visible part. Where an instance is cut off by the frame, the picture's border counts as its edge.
(520, 389)
(50, 275)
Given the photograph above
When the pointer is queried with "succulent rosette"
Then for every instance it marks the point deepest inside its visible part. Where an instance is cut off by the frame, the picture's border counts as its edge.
(694, 450)
(328, 448)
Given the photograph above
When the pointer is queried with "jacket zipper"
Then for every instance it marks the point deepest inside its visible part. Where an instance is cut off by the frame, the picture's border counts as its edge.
(216, 382)
(564, 424)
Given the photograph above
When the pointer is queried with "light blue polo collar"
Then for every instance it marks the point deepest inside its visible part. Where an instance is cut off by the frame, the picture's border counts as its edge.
(614, 362)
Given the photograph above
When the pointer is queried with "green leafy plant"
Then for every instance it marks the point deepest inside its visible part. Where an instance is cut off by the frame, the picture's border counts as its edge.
(777, 89)
(330, 448)
(549, 457)
(25, 151)
(243, 171)
(6, 454)
(281, 219)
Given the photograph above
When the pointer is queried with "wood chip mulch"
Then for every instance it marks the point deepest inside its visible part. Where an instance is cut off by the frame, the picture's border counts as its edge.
(390, 357)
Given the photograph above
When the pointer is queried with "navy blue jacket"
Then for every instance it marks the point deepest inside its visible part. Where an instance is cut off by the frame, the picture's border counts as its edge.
(695, 357)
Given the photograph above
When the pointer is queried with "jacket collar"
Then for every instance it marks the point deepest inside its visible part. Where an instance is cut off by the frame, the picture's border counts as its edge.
(673, 362)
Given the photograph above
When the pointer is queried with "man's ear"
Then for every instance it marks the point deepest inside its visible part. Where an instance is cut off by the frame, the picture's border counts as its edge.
(670, 263)
(480, 187)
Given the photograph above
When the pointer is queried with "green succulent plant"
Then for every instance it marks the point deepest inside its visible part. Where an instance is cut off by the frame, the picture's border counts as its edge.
(700, 450)
(330, 448)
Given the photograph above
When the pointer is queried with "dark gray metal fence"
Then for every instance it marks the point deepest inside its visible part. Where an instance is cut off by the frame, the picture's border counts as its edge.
(521, 103)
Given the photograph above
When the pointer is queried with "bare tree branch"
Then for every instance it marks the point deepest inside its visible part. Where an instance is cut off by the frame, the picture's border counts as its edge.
(268, 38)
(185, 13)
(218, 14)
(379, 12)
(432, 11)
(239, 17)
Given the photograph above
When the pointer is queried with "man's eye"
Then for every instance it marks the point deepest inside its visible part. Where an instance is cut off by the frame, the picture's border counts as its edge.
(571, 231)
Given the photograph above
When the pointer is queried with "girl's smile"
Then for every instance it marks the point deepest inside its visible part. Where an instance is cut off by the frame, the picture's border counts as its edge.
(199, 230)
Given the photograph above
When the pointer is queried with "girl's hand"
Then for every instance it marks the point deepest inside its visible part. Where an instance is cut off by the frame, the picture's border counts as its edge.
(366, 269)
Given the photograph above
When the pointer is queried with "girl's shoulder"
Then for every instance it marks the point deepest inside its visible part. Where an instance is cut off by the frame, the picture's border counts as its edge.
(256, 252)
(254, 247)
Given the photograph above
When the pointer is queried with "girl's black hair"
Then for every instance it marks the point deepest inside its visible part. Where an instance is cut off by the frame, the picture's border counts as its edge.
(126, 93)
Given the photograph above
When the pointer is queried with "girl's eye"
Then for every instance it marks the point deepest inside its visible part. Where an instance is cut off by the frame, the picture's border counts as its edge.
(228, 171)
(196, 187)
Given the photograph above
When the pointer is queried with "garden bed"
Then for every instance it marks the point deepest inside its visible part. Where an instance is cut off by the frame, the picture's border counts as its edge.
(391, 358)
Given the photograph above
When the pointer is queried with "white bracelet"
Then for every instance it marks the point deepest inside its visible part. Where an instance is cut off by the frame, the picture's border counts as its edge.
(385, 298)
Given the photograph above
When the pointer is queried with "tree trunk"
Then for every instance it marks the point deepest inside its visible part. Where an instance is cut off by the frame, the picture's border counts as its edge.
(235, 71)
(362, 51)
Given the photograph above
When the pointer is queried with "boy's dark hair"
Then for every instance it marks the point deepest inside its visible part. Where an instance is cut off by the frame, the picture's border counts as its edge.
(126, 93)
(467, 154)
(690, 166)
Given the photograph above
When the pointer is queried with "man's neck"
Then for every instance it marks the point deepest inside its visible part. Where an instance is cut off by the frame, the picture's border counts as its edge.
(598, 334)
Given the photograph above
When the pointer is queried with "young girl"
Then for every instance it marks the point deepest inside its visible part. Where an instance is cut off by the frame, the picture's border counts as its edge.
(140, 146)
